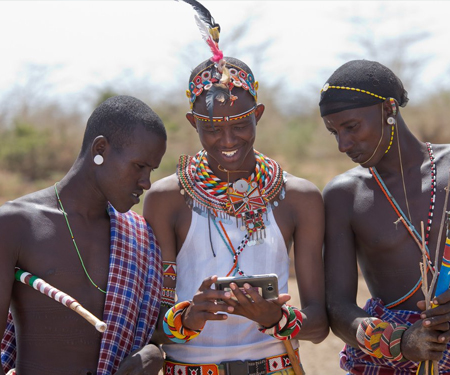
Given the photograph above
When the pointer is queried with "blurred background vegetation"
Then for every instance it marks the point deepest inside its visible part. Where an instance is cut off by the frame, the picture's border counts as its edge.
(40, 137)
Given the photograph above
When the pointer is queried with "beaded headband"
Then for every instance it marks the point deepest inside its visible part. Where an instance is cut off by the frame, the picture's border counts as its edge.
(204, 80)
(327, 86)
(201, 117)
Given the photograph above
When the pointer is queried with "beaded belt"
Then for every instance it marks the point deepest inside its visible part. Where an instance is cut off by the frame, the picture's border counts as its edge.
(259, 367)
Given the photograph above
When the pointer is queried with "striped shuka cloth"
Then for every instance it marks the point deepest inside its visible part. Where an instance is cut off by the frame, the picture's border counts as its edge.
(355, 361)
(132, 298)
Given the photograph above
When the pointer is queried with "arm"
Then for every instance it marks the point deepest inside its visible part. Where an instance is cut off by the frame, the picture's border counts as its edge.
(308, 216)
(167, 213)
(157, 211)
(341, 270)
(418, 343)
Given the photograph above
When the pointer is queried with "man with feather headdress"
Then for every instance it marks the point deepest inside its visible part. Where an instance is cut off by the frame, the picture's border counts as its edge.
(232, 211)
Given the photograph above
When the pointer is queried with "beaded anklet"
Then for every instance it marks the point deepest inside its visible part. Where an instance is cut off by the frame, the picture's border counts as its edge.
(289, 325)
(381, 339)
(173, 326)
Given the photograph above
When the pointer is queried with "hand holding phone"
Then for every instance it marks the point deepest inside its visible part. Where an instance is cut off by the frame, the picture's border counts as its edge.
(266, 285)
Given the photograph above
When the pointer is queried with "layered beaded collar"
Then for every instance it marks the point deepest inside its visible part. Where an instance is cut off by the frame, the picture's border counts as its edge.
(245, 199)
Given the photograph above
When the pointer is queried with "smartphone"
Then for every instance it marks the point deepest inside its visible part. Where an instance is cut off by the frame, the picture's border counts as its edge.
(265, 285)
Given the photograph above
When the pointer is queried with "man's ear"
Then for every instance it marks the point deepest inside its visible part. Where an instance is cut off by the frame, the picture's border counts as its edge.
(259, 110)
(190, 117)
(99, 146)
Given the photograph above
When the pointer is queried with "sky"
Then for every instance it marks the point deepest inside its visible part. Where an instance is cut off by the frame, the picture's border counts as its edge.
(61, 48)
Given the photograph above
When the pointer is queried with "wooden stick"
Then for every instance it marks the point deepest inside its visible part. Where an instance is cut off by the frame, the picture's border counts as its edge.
(293, 358)
(61, 297)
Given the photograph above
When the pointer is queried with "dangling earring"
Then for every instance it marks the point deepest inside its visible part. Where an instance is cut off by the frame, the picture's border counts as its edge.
(391, 121)
(98, 159)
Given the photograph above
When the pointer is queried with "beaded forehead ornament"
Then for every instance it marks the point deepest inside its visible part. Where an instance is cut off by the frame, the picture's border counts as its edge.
(327, 86)
(220, 77)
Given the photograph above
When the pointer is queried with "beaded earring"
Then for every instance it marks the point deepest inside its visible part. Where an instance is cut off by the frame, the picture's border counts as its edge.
(392, 121)
(98, 159)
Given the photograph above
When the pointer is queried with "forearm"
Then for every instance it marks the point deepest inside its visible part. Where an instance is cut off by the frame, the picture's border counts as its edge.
(344, 320)
(315, 325)
(159, 337)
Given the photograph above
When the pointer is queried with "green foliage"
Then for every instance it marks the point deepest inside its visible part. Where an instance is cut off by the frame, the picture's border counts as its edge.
(31, 152)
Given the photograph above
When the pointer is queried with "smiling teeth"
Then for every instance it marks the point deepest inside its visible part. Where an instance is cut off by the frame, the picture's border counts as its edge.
(229, 153)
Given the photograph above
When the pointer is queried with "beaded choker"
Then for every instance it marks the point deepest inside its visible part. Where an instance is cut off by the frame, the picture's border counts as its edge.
(245, 199)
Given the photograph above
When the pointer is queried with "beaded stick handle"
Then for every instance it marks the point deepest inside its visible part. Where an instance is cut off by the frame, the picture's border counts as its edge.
(61, 297)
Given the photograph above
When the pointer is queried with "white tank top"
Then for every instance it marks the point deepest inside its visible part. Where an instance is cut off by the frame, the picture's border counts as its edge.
(236, 338)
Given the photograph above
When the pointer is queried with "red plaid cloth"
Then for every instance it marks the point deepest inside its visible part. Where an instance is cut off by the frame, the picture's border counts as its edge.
(355, 361)
(132, 298)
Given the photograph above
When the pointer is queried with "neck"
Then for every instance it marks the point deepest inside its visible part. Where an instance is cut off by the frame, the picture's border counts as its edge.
(80, 194)
(413, 152)
(230, 175)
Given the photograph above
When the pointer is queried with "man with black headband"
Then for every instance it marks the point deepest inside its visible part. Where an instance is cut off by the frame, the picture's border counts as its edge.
(373, 218)
(232, 211)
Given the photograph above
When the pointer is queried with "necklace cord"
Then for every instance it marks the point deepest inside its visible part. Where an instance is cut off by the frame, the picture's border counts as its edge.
(73, 240)
(381, 138)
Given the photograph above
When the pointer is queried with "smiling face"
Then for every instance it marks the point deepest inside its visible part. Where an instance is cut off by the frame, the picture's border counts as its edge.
(229, 143)
(125, 173)
(360, 133)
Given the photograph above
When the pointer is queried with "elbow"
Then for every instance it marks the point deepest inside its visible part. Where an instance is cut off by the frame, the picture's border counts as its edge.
(319, 330)
(321, 333)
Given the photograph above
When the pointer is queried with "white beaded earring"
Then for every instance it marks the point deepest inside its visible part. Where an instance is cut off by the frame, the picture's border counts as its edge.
(391, 121)
(98, 159)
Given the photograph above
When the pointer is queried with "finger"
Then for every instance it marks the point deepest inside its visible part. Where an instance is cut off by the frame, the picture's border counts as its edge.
(239, 295)
(208, 282)
(253, 293)
(444, 338)
(433, 322)
(282, 299)
(422, 305)
(442, 298)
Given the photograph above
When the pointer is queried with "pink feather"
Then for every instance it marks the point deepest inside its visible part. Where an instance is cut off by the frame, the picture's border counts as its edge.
(204, 31)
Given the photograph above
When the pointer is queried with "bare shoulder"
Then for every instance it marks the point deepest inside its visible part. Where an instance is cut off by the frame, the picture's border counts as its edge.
(165, 186)
(347, 184)
(442, 153)
(298, 188)
(163, 197)
(18, 215)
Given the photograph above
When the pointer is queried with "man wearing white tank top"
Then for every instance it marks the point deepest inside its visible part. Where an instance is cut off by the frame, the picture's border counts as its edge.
(232, 211)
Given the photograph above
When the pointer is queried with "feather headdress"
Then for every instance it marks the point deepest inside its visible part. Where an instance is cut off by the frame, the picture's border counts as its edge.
(210, 32)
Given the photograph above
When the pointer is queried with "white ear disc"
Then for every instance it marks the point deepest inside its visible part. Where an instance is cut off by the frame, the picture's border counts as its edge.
(98, 159)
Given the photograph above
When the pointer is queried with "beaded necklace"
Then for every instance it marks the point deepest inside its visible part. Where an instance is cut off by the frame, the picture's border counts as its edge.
(245, 199)
(407, 223)
(73, 240)
(208, 192)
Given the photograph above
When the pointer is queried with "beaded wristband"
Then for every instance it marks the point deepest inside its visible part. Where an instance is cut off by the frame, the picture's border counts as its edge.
(173, 326)
(289, 325)
(381, 339)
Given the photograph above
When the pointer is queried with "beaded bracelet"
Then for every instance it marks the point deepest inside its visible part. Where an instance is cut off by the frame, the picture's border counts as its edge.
(289, 325)
(173, 326)
(381, 339)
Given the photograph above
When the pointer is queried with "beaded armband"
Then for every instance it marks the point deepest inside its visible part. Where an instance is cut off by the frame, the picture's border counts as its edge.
(381, 339)
(289, 325)
(168, 294)
(173, 326)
